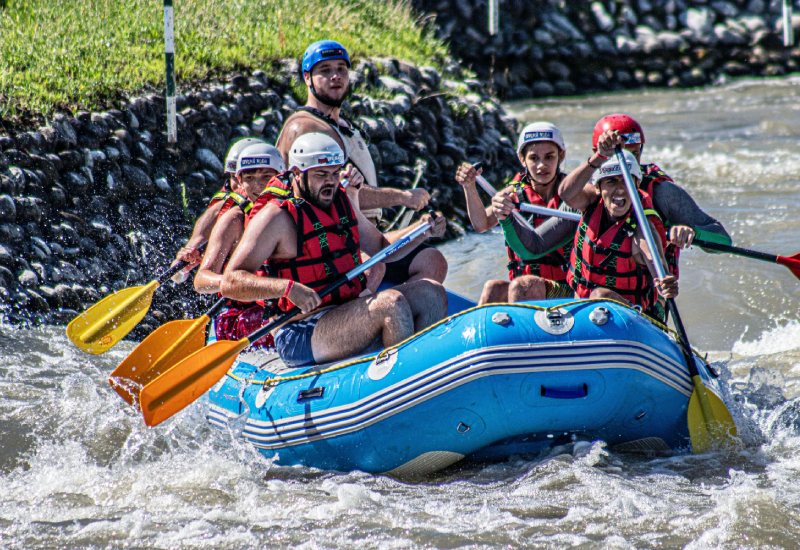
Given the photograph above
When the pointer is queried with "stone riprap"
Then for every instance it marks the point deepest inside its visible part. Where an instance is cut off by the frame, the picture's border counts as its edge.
(555, 47)
(96, 202)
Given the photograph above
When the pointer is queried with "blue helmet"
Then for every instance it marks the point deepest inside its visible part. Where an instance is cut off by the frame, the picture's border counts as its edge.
(323, 50)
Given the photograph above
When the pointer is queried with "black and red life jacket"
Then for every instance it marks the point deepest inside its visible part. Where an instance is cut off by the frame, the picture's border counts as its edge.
(235, 198)
(652, 175)
(606, 260)
(278, 187)
(327, 247)
(552, 266)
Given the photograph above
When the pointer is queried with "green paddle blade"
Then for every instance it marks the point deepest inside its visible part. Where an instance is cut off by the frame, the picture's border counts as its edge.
(710, 423)
(167, 345)
(182, 383)
(100, 327)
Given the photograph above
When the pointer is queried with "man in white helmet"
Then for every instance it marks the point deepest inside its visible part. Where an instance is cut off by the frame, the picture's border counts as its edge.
(325, 66)
(541, 150)
(309, 241)
(201, 232)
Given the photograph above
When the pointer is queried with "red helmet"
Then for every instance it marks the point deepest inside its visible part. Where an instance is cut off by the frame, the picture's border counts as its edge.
(624, 124)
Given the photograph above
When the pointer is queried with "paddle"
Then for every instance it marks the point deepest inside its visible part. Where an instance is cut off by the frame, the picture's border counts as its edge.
(162, 348)
(791, 262)
(185, 381)
(100, 327)
(491, 191)
(710, 422)
(404, 216)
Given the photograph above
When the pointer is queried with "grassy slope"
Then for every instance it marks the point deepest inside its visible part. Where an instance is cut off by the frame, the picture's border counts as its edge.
(84, 54)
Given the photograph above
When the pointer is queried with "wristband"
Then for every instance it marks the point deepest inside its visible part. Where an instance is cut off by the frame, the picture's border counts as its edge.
(288, 289)
(589, 162)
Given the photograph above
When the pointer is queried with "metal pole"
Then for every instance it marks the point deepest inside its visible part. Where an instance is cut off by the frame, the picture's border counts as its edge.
(169, 59)
(494, 17)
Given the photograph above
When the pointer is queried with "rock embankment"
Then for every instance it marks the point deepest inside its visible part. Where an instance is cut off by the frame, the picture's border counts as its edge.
(554, 47)
(95, 202)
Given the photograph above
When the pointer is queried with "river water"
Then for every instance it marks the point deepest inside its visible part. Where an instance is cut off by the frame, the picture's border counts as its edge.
(79, 469)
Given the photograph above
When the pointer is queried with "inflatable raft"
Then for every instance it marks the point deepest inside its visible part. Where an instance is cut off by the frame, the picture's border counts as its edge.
(485, 383)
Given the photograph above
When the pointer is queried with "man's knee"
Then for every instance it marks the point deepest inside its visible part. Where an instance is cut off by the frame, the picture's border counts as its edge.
(429, 264)
(527, 287)
(494, 290)
(389, 300)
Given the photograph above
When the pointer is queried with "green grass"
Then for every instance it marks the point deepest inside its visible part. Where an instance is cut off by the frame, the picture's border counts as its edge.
(73, 54)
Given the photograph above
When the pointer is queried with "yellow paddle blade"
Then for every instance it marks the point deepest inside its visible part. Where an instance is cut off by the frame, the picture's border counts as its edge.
(184, 382)
(100, 327)
(711, 425)
(165, 346)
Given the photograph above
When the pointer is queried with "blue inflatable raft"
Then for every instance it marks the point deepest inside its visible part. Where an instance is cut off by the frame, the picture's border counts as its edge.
(485, 383)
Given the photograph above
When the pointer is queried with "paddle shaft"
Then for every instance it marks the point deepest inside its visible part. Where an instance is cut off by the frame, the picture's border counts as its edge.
(349, 276)
(661, 272)
(736, 250)
(401, 215)
(491, 191)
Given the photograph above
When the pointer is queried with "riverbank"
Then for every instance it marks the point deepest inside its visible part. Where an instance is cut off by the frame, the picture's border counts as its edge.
(98, 201)
(553, 47)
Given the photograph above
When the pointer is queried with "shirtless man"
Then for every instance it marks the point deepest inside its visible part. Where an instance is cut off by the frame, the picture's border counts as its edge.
(311, 240)
(325, 67)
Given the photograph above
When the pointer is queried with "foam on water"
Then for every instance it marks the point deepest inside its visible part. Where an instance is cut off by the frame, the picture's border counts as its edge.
(782, 338)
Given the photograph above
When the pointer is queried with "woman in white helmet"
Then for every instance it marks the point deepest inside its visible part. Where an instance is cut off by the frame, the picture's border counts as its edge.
(311, 240)
(541, 150)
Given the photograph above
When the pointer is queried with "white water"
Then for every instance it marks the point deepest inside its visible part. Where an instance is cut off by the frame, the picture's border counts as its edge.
(79, 469)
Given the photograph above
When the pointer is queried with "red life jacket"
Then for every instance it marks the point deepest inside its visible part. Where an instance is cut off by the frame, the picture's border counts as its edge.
(220, 195)
(652, 175)
(606, 260)
(552, 266)
(278, 187)
(235, 198)
(327, 247)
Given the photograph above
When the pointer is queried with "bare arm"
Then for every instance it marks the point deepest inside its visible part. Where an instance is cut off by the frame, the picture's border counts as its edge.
(482, 218)
(224, 237)
(575, 189)
(200, 234)
(387, 197)
(265, 236)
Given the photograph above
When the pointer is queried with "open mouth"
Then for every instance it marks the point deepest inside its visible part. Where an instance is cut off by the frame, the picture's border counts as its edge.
(619, 201)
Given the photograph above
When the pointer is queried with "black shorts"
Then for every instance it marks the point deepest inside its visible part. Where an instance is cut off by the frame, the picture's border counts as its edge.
(397, 272)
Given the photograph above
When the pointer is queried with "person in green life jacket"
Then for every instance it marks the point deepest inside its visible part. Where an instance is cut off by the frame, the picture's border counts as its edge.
(541, 150)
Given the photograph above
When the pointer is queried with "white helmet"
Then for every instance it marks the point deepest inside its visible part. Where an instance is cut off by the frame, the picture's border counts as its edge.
(611, 167)
(540, 131)
(260, 155)
(234, 152)
(313, 150)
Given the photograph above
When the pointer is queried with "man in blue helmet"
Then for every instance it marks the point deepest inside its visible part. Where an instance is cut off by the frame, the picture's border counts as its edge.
(325, 67)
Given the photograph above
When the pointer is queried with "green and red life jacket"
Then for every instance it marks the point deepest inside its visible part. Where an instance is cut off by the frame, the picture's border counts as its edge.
(235, 198)
(327, 247)
(605, 260)
(552, 266)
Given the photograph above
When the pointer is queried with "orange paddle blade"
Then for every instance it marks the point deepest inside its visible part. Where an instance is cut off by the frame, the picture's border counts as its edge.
(184, 382)
(792, 262)
(165, 346)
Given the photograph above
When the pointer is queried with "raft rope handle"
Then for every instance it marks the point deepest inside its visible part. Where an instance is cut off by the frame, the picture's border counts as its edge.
(279, 379)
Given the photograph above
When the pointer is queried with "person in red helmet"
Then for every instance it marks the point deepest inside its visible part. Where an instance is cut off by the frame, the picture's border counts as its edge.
(681, 215)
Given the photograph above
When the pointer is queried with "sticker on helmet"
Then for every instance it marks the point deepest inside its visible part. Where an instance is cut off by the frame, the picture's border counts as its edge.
(538, 135)
(632, 138)
(250, 161)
